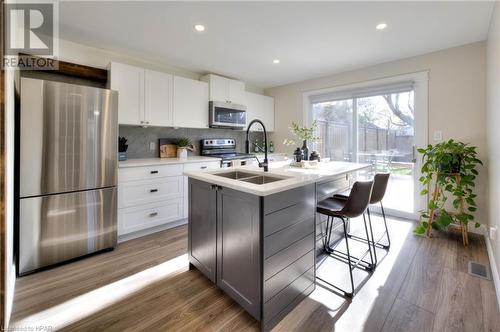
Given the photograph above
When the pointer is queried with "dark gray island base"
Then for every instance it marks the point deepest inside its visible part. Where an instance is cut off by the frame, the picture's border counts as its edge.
(260, 250)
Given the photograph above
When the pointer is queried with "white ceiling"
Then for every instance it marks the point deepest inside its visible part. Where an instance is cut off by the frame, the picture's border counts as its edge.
(242, 38)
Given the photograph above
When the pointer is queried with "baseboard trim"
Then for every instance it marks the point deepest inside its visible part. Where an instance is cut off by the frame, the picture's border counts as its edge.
(494, 269)
(138, 234)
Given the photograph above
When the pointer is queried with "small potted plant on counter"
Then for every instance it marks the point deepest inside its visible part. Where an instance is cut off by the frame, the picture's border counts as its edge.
(305, 134)
(451, 166)
(122, 148)
(183, 145)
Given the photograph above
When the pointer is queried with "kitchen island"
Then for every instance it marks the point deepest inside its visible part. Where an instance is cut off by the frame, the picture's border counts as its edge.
(256, 234)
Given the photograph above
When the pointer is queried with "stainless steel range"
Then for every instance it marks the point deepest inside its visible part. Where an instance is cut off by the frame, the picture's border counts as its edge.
(225, 148)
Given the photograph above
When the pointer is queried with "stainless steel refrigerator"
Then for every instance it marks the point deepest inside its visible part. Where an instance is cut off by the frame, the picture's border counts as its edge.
(67, 159)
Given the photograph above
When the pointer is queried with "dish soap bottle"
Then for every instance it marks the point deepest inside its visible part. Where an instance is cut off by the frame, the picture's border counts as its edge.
(271, 147)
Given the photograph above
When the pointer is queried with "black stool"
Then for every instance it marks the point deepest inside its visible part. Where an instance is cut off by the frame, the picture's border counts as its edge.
(380, 182)
(343, 208)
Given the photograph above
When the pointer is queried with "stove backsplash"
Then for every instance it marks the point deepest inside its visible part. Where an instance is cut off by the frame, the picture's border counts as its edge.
(139, 138)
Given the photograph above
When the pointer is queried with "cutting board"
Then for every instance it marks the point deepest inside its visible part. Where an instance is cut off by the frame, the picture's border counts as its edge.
(167, 148)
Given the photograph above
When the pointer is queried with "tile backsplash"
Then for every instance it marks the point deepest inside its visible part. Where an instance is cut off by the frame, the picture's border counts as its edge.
(139, 138)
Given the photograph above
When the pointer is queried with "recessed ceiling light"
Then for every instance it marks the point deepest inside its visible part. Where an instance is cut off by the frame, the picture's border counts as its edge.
(199, 27)
(381, 26)
(276, 61)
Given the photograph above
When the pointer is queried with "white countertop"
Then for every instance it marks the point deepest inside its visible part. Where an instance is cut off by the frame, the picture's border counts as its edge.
(293, 176)
(164, 161)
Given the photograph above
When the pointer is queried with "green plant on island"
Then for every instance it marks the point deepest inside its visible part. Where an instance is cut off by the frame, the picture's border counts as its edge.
(453, 164)
(303, 133)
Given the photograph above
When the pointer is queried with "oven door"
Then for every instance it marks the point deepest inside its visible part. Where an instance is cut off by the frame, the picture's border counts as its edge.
(227, 115)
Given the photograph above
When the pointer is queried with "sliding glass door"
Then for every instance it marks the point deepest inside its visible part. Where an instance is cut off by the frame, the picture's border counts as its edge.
(376, 128)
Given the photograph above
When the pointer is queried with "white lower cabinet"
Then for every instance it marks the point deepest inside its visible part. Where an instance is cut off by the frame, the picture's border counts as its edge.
(145, 216)
(149, 191)
(153, 196)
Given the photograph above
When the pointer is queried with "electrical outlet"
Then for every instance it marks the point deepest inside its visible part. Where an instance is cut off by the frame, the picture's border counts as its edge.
(438, 135)
(152, 146)
(493, 233)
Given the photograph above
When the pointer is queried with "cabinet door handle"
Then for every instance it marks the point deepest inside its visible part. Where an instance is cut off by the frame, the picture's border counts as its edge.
(153, 190)
(154, 172)
(203, 167)
(153, 214)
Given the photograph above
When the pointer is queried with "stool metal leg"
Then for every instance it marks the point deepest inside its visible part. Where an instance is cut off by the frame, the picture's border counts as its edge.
(372, 266)
(376, 243)
(373, 239)
(348, 258)
(386, 229)
(351, 293)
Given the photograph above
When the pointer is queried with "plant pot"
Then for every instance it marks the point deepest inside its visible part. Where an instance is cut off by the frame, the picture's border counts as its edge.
(122, 156)
(182, 153)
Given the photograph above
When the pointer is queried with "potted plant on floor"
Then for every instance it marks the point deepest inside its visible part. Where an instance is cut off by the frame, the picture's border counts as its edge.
(183, 145)
(452, 166)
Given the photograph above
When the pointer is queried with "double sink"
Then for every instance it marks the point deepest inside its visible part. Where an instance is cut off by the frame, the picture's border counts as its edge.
(250, 177)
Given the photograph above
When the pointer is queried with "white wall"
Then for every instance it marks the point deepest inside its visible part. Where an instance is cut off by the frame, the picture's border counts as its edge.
(10, 269)
(457, 98)
(493, 117)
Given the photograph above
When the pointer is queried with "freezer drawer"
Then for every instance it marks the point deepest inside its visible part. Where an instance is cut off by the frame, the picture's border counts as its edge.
(68, 138)
(60, 227)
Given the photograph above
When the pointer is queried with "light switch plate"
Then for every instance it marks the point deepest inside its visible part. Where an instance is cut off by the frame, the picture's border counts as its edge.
(438, 135)
(152, 146)
(493, 233)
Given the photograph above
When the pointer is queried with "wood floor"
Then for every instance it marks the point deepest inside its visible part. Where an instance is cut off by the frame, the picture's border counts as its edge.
(145, 285)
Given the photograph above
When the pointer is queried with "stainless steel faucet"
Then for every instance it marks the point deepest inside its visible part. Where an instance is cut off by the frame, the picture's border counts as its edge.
(264, 164)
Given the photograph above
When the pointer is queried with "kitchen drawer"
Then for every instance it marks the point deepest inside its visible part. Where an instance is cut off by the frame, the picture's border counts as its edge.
(327, 189)
(201, 166)
(148, 172)
(149, 215)
(135, 193)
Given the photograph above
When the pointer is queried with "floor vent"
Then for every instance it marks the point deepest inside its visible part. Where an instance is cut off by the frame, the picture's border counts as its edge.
(479, 270)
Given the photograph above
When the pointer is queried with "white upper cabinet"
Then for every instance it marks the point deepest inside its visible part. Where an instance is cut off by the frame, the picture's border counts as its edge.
(129, 82)
(260, 107)
(144, 96)
(158, 98)
(190, 103)
(236, 92)
(225, 89)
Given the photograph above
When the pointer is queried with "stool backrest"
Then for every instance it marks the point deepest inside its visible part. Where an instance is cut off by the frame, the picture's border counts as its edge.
(358, 199)
(379, 186)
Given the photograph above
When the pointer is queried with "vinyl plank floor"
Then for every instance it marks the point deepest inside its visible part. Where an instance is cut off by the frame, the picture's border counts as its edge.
(145, 285)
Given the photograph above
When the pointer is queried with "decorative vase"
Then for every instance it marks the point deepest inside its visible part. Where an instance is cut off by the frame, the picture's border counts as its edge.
(182, 153)
(298, 155)
(305, 150)
(122, 156)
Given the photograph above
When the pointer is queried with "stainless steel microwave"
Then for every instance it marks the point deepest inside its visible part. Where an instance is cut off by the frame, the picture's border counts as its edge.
(227, 115)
